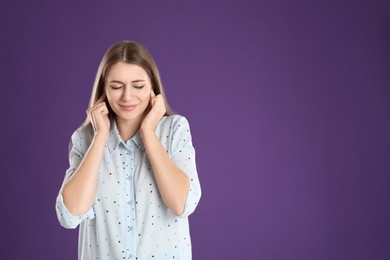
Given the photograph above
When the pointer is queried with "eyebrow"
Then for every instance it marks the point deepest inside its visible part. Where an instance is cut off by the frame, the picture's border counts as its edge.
(120, 82)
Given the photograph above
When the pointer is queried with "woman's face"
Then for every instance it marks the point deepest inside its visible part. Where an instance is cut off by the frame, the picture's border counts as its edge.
(128, 90)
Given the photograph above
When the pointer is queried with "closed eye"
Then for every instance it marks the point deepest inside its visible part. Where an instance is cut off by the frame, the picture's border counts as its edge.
(139, 86)
(116, 86)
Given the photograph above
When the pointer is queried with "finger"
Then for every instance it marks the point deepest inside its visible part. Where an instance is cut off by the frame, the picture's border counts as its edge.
(100, 110)
(96, 106)
(93, 121)
(104, 111)
(159, 98)
(98, 117)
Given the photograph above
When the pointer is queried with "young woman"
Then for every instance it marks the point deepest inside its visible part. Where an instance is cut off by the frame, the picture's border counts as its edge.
(132, 179)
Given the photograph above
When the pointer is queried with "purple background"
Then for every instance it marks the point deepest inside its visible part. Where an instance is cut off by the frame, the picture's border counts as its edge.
(288, 101)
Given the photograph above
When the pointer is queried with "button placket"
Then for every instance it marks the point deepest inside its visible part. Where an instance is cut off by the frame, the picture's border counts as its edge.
(130, 217)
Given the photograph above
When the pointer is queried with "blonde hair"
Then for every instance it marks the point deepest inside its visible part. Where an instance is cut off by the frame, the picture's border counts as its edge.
(129, 52)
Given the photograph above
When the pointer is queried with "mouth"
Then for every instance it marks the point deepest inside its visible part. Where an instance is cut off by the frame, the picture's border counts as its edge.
(128, 107)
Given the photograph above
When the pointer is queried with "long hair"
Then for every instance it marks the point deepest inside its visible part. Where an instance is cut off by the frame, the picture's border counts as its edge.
(129, 52)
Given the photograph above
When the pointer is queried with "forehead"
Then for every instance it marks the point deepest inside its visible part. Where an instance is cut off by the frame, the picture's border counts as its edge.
(126, 72)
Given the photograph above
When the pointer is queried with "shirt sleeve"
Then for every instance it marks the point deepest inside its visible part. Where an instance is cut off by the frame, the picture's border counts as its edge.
(65, 218)
(183, 156)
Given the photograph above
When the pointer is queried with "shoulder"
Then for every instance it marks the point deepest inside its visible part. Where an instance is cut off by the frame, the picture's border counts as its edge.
(174, 131)
(82, 137)
(173, 123)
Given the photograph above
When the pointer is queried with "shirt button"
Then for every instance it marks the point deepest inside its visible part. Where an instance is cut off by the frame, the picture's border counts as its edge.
(130, 228)
(130, 256)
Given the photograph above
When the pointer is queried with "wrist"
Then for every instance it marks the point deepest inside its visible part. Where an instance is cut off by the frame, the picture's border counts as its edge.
(145, 132)
(100, 137)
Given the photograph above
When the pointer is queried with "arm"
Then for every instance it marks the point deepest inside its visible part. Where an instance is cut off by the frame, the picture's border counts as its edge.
(76, 153)
(172, 182)
(79, 190)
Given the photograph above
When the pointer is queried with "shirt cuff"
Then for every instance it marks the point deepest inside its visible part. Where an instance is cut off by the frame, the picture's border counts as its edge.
(193, 197)
(68, 220)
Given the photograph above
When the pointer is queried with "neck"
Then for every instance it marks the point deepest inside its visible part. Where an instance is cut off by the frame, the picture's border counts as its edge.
(127, 128)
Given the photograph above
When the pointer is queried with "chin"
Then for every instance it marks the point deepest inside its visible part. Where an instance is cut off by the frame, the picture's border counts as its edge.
(127, 117)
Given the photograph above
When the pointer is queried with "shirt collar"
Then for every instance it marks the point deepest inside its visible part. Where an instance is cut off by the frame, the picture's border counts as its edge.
(138, 140)
(115, 139)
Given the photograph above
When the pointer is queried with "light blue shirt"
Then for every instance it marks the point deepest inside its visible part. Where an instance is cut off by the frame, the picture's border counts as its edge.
(128, 219)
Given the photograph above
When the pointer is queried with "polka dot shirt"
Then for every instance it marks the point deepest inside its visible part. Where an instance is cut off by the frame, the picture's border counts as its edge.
(129, 219)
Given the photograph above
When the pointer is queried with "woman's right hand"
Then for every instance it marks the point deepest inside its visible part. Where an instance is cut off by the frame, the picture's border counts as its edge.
(98, 116)
(79, 190)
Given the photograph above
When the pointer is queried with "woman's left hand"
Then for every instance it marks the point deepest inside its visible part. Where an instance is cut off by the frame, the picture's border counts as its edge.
(156, 112)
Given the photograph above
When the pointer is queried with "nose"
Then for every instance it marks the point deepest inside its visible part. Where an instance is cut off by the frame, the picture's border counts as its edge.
(127, 94)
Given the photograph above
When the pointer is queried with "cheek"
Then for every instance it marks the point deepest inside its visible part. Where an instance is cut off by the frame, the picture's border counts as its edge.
(112, 95)
(145, 94)
(110, 98)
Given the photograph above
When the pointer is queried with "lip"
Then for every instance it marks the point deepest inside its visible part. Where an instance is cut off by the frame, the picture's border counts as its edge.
(128, 107)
